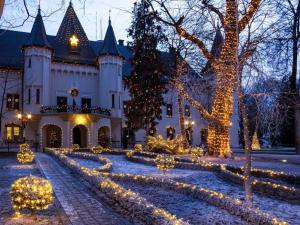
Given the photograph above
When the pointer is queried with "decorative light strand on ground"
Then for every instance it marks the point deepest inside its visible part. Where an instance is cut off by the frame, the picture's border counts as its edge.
(232, 205)
(139, 207)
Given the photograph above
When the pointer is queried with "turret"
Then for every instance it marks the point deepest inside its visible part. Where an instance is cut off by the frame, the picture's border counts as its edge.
(110, 74)
(37, 62)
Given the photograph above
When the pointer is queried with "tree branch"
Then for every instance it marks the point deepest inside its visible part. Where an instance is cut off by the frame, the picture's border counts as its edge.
(254, 4)
(180, 30)
(203, 112)
(215, 10)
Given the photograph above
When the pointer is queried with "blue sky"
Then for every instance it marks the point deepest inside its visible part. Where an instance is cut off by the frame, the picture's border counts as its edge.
(14, 12)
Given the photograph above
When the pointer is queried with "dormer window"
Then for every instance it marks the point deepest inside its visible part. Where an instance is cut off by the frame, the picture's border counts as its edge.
(74, 41)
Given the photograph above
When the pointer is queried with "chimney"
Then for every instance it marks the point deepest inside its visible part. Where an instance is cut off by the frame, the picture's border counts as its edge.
(121, 42)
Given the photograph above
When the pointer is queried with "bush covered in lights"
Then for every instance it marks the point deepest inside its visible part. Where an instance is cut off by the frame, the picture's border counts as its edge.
(75, 147)
(97, 149)
(160, 145)
(138, 147)
(129, 154)
(25, 155)
(165, 162)
(197, 152)
(34, 193)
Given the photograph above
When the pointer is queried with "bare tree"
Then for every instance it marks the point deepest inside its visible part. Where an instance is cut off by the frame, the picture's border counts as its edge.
(2, 2)
(226, 66)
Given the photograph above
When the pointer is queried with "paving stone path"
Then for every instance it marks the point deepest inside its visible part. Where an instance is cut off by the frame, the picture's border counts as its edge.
(79, 203)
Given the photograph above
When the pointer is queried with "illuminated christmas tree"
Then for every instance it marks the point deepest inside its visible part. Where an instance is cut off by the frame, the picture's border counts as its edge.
(255, 142)
(146, 83)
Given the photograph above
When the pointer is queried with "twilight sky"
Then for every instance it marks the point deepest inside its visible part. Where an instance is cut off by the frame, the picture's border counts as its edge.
(14, 12)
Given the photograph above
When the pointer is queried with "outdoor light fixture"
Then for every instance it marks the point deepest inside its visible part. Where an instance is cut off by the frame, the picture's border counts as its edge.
(24, 117)
(189, 122)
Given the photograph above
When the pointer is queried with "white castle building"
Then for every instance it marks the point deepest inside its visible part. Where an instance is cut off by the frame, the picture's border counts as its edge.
(72, 90)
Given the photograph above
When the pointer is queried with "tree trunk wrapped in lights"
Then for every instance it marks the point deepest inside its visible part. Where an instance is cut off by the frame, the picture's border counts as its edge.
(225, 67)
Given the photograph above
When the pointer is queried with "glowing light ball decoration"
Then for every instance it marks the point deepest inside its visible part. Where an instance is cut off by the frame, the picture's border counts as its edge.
(25, 155)
(165, 163)
(33, 193)
(197, 152)
(129, 154)
(97, 149)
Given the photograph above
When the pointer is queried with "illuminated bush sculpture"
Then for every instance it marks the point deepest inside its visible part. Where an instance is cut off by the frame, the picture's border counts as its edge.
(25, 155)
(97, 149)
(75, 147)
(165, 162)
(33, 193)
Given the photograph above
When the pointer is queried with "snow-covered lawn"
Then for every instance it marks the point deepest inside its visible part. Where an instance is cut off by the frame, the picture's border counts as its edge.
(189, 208)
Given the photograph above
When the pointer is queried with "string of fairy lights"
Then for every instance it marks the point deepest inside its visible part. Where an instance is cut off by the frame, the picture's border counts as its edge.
(226, 74)
(116, 191)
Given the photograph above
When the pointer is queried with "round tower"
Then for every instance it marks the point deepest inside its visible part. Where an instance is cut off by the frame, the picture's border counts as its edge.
(110, 74)
(37, 63)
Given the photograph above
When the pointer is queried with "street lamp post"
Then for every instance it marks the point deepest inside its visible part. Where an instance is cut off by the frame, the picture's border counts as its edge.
(24, 119)
(189, 125)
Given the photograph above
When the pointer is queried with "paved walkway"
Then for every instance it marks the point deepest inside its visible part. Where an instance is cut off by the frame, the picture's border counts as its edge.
(79, 203)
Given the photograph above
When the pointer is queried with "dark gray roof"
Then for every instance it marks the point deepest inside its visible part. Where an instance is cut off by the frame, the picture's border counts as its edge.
(11, 44)
(38, 35)
(71, 25)
(110, 44)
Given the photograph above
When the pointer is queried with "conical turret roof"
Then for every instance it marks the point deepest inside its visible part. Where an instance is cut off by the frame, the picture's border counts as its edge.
(110, 46)
(38, 36)
(71, 26)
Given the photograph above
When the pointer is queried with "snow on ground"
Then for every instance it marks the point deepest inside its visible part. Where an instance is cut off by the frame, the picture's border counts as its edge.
(183, 206)
(263, 163)
(206, 179)
(10, 170)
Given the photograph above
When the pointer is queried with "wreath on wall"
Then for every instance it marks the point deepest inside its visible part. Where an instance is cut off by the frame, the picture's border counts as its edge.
(74, 92)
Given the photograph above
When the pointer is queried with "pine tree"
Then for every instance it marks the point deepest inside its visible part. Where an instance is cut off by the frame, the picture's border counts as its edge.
(255, 142)
(146, 83)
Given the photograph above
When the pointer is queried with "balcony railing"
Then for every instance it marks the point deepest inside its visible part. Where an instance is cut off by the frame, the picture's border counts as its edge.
(75, 109)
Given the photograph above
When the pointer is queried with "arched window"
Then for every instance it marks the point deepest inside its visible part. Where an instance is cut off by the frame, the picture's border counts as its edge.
(170, 133)
(29, 96)
(37, 96)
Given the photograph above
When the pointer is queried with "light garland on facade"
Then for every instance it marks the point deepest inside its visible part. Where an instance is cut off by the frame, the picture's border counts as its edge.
(41, 133)
(34, 193)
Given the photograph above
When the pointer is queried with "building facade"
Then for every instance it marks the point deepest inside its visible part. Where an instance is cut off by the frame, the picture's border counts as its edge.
(68, 89)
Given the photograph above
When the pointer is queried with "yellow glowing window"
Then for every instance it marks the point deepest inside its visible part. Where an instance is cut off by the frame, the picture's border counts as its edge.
(8, 132)
(16, 131)
(74, 41)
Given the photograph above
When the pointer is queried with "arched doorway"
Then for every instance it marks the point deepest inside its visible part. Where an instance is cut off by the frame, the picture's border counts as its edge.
(171, 133)
(80, 135)
(104, 136)
(52, 136)
(128, 137)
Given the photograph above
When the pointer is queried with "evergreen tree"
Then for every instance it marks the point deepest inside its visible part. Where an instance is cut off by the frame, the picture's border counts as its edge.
(146, 83)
